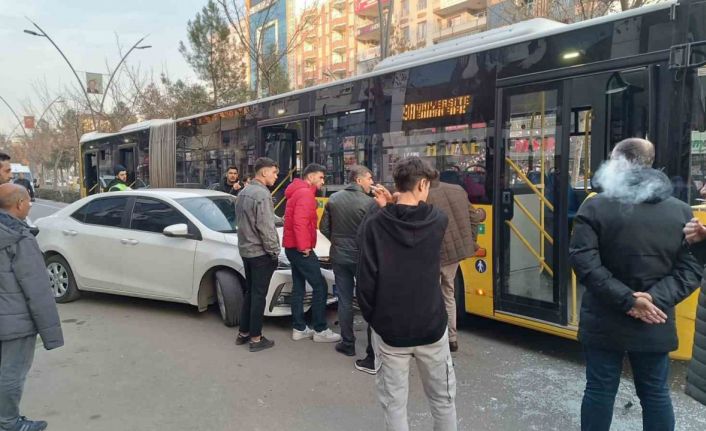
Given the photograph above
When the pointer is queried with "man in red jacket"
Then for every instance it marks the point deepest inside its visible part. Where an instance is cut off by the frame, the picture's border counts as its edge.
(299, 240)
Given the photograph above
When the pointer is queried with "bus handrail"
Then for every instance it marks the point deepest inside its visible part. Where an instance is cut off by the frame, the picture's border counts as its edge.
(534, 221)
(531, 249)
(532, 187)
(279, 186)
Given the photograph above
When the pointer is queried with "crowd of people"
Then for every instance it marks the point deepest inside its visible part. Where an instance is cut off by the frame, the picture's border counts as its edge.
(635, 248)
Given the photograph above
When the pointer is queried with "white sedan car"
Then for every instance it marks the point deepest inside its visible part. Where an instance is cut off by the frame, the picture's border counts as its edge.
(175, 245)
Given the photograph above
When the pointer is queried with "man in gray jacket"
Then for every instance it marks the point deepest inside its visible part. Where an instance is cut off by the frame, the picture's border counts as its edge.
(258, 244)
(27, 306)
(342, 215)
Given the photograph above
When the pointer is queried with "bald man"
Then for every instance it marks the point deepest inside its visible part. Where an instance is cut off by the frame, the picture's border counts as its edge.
(5, 168)
(27, 306)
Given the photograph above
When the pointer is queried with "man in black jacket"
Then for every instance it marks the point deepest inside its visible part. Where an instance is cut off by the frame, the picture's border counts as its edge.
(231, 183)
(400, 296)
(342, 216)
(627, 250)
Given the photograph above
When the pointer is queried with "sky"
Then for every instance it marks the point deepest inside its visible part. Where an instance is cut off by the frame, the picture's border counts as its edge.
(85, 31)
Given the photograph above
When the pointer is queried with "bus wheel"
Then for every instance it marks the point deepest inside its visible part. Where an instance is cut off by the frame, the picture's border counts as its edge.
(462, 317)
(229, 293)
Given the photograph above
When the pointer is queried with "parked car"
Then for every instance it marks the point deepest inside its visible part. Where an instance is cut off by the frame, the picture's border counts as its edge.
(175, 245)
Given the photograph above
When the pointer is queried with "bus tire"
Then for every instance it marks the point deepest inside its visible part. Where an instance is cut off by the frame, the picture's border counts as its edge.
(462, 317)
(229, 295)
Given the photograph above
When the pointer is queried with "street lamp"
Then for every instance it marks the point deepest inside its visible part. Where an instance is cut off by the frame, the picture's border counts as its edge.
(16, 116)
(42, 33)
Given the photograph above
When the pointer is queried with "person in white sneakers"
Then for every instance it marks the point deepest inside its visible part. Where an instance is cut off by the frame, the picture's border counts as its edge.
(300, 220)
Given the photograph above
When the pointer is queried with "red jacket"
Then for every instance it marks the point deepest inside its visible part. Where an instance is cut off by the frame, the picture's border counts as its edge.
(300, 217)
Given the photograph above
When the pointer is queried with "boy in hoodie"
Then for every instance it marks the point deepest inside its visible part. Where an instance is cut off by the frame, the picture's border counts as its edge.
(27, 306)
(299, 241)
(400, 296)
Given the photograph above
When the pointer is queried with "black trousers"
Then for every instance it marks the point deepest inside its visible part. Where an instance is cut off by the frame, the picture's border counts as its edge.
(258, 272)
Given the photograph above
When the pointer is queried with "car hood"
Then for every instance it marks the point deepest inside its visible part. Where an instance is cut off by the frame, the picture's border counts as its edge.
(323, 245)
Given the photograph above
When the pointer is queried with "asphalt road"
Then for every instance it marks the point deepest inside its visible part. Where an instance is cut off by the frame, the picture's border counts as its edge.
(133, 364)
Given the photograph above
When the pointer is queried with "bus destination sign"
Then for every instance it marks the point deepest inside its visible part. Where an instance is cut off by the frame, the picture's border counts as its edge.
(436, 108)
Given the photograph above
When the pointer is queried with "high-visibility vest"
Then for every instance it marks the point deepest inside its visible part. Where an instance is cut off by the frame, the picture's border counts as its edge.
(120, 187)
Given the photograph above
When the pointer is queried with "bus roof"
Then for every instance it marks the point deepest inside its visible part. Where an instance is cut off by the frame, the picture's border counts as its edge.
(130, 128)
(491, 39)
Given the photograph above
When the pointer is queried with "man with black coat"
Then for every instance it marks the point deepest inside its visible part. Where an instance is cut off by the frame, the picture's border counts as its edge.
(628, 251)
(400, 296)
(231, 183)
(342, 216)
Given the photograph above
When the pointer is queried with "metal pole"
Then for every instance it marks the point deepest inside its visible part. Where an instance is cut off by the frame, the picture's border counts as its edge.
(383, 51)
(80, 83)
(112, 75)
(16, 116)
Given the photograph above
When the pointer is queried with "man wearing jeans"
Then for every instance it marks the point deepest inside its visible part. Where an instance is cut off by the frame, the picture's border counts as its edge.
(258, 244)
(343, 214)
(300, 220)
(627, 250)
(399, 295)
(27, 306)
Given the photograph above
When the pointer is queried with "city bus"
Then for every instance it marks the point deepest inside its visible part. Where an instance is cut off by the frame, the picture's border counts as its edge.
(519, 116)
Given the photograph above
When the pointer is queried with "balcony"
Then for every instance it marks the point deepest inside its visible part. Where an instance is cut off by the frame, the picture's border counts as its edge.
(462, 28)
(339, 45)
(369, 32)
(369, 8)
(452, 7)
(368, 54)
(310, 75)
(339, 24)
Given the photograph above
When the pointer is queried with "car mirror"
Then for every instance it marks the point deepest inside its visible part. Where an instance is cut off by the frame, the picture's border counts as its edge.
(180, 230)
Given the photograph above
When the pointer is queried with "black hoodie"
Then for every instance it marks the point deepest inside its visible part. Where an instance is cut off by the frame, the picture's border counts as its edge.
(398, 274)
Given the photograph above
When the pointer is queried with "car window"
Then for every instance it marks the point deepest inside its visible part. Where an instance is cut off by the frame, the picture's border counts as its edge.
(153, 216)
(216, 212)
(104, 212)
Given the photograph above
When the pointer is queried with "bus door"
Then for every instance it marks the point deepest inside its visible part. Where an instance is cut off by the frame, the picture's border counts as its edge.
(91, 172)
(284, 143)
(553, 138)
(126, 157)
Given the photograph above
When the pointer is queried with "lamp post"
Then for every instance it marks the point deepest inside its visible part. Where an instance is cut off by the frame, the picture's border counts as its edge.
(16, 116)
(42, 33)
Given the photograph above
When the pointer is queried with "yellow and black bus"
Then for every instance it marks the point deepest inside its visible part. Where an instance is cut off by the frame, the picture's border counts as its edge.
(519, 116)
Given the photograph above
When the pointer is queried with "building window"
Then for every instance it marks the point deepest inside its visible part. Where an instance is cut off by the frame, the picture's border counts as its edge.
(422, 32)
(405, 34)
(337, 58)
(421, 5)
(405, 7)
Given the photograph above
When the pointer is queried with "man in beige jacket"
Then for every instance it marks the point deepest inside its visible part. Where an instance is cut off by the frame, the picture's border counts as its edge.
(459, 241)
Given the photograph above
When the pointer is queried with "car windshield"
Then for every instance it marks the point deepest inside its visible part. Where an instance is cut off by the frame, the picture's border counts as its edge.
(216, 212)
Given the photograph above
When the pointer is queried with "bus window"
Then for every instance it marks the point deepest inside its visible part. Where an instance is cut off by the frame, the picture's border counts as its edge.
(340, 144)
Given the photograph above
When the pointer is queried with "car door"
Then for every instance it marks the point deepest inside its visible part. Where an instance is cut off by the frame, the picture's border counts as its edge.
(157, 265)
(92, 237)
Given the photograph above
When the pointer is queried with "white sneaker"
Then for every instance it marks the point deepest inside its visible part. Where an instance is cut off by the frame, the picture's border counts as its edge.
(306, 334)
(326, 336)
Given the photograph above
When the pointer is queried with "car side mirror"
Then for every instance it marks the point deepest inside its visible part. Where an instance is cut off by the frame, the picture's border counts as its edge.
(180, 230)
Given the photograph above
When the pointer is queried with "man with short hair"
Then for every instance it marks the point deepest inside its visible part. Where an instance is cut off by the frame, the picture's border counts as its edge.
(5, 168)
(258, 244)
(343, 213)
(119, 183)
(231, 183)
(27, 306)
(459, 241)
(627, 250)
(400, 296)
(300, 221)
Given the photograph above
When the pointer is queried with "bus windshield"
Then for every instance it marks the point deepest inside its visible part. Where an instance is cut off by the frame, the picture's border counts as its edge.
(216, 212)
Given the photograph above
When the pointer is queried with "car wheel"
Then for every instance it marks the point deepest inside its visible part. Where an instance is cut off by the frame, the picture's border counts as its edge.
(61, 280)
(229, 293)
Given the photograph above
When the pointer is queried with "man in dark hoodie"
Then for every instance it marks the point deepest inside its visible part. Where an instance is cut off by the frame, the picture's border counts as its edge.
(119, 183)
(27, 306)
(400, 296)
(231, 182)
(627, 250)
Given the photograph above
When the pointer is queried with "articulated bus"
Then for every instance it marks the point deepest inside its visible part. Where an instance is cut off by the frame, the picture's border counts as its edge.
(520, 116)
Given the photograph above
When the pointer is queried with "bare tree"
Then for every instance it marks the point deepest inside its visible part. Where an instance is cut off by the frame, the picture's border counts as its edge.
(567, 11)
(264, 55)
